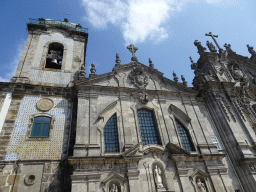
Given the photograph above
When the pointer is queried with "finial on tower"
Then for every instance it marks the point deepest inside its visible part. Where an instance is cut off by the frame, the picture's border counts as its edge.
(175, 78)
(133, 49)
(82, 72)
(185, 83)
(93, 70)
(151, 65)
(118, 61)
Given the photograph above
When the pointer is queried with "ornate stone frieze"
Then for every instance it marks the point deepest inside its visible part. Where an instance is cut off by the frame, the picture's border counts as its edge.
(138, 77)
(44, 104)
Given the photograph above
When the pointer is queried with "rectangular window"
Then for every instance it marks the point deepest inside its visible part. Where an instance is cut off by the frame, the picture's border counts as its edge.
(216, 142)
(41, 127)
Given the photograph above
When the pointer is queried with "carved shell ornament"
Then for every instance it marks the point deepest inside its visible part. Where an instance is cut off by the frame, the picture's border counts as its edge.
(44, 105)
(138, 77)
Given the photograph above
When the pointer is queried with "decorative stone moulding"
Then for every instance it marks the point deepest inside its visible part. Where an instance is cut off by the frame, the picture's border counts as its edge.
(30, 179)
(252, 167)
(138, 77)
(44, 105)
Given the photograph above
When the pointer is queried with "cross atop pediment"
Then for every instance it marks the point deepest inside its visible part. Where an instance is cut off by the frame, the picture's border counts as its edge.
(133, 49)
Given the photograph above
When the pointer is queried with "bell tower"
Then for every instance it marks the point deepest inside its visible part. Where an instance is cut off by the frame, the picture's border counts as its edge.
(54, 53)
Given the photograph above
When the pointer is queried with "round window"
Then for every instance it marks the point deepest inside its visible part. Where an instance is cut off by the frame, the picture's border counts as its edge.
(30, 179)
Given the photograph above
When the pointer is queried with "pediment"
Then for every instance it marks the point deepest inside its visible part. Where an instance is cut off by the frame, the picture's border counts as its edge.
(113, 176)
(153, 149)
(135, 75)
(174, 149)
(133, 151)
(199, 173)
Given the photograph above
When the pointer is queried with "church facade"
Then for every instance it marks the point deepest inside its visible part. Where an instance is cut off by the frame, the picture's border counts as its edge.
(130, 129)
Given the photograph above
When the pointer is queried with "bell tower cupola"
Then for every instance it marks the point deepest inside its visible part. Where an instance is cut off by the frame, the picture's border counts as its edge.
(54, 53)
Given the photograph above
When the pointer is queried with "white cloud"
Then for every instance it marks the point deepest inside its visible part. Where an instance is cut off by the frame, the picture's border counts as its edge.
(140, 19)
(12, 65)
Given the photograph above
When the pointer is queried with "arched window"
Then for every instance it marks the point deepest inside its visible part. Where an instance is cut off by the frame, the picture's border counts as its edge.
(148, 128)
(41, 127)
(111, 136)
(54, 56)
(185, 137)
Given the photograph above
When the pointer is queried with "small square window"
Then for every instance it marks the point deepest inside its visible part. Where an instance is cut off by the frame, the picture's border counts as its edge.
(216, 142)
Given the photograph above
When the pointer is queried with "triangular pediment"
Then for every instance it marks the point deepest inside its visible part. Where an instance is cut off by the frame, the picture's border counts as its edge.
(199, 173)
(135, 75)
(113, 176)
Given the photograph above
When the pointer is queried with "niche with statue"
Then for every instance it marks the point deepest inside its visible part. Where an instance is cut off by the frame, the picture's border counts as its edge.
(159, 177)
(114, 183)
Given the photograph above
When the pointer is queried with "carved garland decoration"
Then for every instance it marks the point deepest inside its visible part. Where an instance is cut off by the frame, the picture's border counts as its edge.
(138, 77)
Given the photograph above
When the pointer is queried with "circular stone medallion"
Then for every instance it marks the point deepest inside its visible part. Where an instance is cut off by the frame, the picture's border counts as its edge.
(44, 104)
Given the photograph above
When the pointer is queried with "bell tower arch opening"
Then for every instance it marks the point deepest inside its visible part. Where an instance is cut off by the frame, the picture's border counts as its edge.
(54, 56)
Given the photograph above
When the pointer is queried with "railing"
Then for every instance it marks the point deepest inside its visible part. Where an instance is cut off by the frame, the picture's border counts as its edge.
(68, 25)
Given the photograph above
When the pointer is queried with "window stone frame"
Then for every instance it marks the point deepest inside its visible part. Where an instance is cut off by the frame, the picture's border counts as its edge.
(30, 126)
(156, 112)
(185, 120)
(103, 119)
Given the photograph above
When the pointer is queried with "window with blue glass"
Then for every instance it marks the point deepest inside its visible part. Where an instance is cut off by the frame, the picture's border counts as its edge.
(185, 137)
(111, 136)
(41, 127)
(148, 128)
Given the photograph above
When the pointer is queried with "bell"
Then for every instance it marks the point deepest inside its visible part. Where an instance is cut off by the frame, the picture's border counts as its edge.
(54, 61)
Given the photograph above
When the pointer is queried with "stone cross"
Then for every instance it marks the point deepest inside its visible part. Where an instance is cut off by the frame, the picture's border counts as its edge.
(133, 49)
(210, 34)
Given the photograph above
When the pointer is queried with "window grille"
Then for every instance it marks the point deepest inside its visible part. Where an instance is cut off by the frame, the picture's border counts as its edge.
(216, 142)
(148, 128)
(111, 136)
(41, 127)
(185, 137)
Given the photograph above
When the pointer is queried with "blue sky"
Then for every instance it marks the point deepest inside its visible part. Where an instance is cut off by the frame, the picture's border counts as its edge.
(163, 30)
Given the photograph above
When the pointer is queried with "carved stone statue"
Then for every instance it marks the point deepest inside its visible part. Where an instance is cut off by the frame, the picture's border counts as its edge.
(201, 185)
(252, 167)
(211, 46)
(114, 188)
(250, 49)
(158, 177)
(236, 72)
(201, 49)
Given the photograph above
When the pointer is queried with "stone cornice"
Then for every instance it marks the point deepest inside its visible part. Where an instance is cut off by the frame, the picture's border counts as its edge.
(29, 89)
(103, 160)
(41, 28)
(192, 93)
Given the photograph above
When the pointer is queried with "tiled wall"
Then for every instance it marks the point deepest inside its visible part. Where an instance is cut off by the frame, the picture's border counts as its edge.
(19, 148)
(49, 76)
